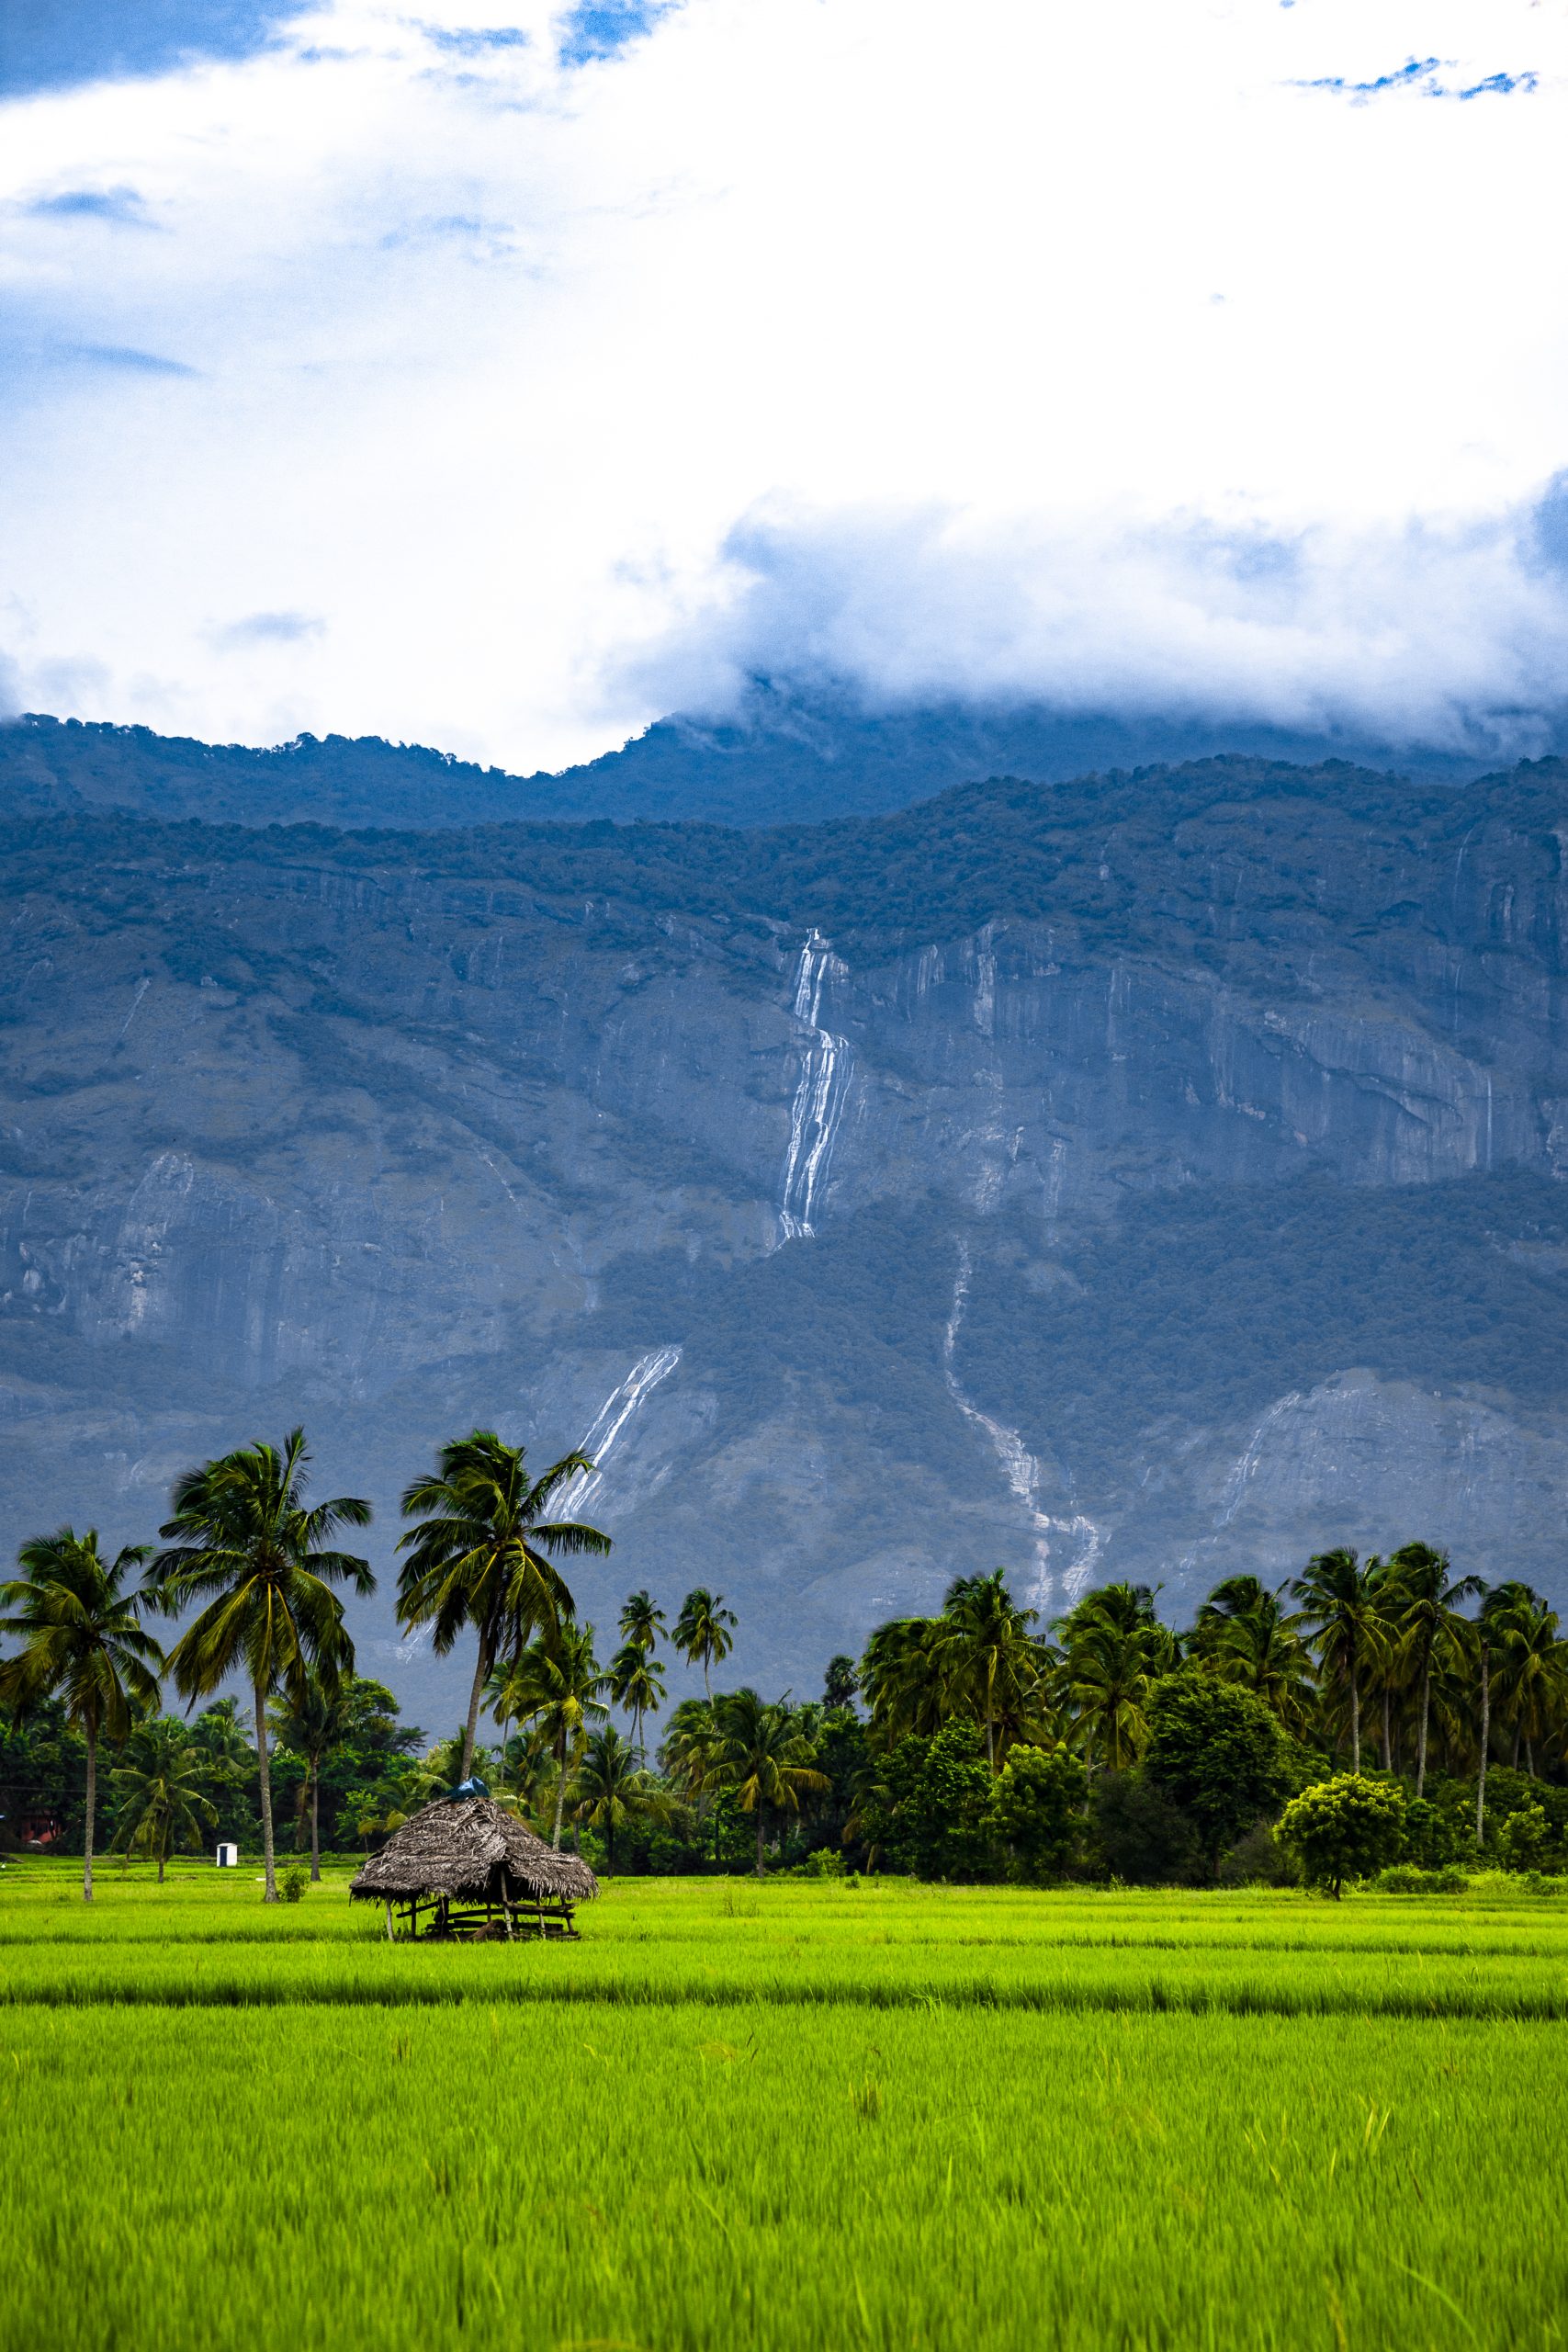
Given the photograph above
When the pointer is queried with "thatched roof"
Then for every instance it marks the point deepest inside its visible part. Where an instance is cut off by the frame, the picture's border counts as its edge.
(467, 1845)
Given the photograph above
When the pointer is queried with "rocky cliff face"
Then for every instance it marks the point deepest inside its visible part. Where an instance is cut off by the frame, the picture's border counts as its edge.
(1156, 1178)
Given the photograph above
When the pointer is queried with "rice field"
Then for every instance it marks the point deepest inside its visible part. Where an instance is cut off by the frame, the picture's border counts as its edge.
(781, 2116)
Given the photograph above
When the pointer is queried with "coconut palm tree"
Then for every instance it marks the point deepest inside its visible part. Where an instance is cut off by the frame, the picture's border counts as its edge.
(1243, 1636)
(702, 1633)
(556, 1685)
(1338, 1610)
(904, 1678)
(637, 1683)
(993, 1665)
(245, 1544)
(688, 1744)
(160, 1789)
(611, 1789)
(1115, 1649)
(84, 1643)
(642, 1622)
(478, 1556)
(311, 1722)
(1529, 1665)
(760, 1757)
(1423, 1593)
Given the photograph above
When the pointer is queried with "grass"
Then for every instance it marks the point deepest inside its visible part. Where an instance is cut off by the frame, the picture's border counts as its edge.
(781, 2116)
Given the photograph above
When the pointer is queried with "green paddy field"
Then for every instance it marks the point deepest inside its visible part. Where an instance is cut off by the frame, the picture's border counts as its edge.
(781, 2116)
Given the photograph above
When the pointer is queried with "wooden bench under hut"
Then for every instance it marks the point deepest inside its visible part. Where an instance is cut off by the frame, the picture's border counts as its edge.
(462, 1868)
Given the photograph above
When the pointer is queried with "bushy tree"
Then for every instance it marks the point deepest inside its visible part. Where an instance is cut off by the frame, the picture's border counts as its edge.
(1432, 1837)
(1215, 1750)
(931, 1814)
(1523, 1838)
(1036, 1811)
(1144, 1836)
(1345, 1828)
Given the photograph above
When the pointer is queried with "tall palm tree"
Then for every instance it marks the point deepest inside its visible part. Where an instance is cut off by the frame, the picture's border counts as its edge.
(1244, 1637)
(1339, 1611)
(160, 1787)
(993, 1664)
(611, 1789)
(311, 1720)
(637, 1683)
(1115, 1649)
(244, 1542)
(904, 1678)
(642, 1622)
(702, 1632)
(759, 1757)
(1387, 1660)
(1423, 1594)
(478, 1556)
(83, 1641)
(556, 1685)
(1530, 1663)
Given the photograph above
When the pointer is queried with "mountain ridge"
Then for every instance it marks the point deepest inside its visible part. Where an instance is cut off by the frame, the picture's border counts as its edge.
(783, 757)
(1151, 1176)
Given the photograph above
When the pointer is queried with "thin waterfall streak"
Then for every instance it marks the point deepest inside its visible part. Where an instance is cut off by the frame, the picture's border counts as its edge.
(1022, 1471)
(616, 1412)
(819, 1096)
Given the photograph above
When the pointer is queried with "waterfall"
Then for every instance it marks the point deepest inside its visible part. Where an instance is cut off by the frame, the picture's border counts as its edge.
(614, 1413)
(820, 1090)
(1022, 1471)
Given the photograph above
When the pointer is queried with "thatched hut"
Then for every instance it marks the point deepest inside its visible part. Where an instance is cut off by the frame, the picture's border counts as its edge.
(473, 1870)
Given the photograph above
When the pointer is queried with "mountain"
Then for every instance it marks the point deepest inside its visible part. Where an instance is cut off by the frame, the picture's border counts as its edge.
(786, 757)
(1156, 1174)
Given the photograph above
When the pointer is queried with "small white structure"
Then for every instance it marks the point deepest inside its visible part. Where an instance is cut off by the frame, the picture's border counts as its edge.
(228, 1858)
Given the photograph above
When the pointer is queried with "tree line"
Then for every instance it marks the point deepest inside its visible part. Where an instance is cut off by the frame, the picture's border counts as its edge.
(1359, 1714)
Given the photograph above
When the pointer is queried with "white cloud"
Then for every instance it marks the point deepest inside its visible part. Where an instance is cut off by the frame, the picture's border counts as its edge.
(959, 349)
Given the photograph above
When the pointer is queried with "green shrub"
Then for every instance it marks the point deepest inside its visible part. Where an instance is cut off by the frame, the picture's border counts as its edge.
(295, 1879)
(1409, 1878)
(1259, 1859)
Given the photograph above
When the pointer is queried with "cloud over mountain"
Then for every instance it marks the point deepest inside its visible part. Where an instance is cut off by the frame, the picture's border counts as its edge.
(566, 363)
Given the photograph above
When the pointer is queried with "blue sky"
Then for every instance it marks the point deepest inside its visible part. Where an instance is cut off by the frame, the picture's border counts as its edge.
(496, 375)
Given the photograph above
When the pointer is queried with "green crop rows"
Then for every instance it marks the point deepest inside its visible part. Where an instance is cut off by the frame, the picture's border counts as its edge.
(783, 2116)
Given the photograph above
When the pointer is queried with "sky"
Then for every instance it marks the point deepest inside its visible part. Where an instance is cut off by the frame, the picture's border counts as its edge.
(497, 375)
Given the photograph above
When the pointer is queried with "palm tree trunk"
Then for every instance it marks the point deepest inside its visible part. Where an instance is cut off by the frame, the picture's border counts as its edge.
(1387, 1734)
(1421, 1727)
(162, 1857)
(760, 1869)
(1354, 1721)
(470, 1729)
(315, 1822)
(990, 1749)
(1530, 1758)
(1485, 1743)
(560, 1787)
(92, 1807)
(264, 1776)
